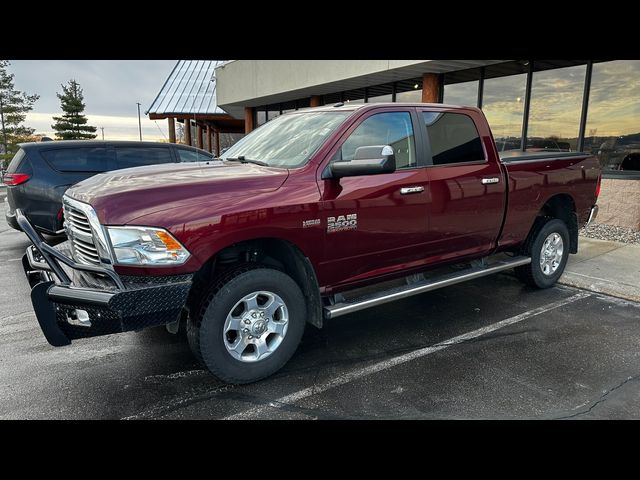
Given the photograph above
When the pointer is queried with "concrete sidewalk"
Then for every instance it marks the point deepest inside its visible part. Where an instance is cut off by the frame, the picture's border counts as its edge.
(606, 267)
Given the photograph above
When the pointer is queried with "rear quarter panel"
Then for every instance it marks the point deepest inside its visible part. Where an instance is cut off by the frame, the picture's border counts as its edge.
(533, 182)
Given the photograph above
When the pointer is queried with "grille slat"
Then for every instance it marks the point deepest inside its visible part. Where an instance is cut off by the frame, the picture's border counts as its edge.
(83, 249)
(87, 252)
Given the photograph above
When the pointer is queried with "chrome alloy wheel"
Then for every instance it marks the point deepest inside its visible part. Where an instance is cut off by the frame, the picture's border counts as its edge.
(256, 326)
(551, 254)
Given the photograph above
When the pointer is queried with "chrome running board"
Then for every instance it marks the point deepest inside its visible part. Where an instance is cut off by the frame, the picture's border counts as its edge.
(379, 298)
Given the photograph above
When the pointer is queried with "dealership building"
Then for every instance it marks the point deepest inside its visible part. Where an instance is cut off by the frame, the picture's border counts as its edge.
(568, 105)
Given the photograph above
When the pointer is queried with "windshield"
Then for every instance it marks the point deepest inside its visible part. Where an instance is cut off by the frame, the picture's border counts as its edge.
(287, 141)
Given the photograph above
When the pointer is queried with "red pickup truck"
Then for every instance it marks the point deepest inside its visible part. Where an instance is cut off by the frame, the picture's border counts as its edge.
(316, 214)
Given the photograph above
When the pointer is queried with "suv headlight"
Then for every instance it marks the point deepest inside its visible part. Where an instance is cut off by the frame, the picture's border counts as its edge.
(146, 246)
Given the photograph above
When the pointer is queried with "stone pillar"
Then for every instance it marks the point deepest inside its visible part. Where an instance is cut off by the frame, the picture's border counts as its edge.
(248, 119)
(430, 87)
(172, 130)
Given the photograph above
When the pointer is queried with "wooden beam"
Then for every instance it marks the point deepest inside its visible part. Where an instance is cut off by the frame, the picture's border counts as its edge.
(217, 134)
(248, 119)
(315, 101)
(430, 87)
(172, 130)
(187, 132)
(199, 136)
(209, 138)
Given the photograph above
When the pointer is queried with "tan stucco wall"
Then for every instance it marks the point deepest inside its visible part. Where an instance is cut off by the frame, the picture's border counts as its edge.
(619, 203)
(249, 83)
(247, 79)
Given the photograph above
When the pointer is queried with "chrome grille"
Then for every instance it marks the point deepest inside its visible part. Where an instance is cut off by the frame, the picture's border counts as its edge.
(80, 236)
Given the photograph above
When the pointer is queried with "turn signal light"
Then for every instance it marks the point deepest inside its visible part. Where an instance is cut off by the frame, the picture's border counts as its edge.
(598, 186)
(13, 179)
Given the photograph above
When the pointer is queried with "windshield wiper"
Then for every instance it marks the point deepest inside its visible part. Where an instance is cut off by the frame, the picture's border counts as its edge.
(243, 159)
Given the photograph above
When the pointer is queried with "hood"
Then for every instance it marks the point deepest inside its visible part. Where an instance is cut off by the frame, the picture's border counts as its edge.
(123, 195)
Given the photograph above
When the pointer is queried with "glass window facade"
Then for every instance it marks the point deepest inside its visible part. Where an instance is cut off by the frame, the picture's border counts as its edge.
(410, 96)
(557, 120)
(503, 105)
(556, 104)
(461, 94)
(261, 117)
(613, 121)
(380, 99)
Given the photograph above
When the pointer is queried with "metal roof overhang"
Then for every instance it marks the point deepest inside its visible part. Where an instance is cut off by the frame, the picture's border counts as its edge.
(342, 82)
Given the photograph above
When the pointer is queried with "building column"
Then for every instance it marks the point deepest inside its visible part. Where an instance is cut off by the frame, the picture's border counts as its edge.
(315, 101)
(172, 129)
(430, 87)
(187, 131)
(248, 119)
(209, 144)
(199, 138)
(217, 135)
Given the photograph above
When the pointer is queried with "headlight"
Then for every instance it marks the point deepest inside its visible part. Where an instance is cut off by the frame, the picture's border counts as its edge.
(146, 246)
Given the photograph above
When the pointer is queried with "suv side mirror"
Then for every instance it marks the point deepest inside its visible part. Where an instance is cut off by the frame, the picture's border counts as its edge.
(370, 160)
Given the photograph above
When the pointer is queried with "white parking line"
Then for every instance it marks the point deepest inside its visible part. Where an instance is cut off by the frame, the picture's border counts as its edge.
(392, 362)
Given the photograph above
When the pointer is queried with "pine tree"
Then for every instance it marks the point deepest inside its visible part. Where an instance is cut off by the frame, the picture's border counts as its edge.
(14, 106)
(72, 125)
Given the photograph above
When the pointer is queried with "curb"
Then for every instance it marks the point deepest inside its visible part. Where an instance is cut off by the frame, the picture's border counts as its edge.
(600, 285)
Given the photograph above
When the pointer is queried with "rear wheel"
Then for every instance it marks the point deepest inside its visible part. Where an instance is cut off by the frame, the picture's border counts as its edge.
(250, 325)
(549, 251)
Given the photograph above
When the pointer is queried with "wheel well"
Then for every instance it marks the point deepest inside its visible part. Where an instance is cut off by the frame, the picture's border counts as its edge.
(631, 162)
(273, 252)
(562, 207)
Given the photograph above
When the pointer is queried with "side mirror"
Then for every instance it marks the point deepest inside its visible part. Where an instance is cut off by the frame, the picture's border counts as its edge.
(370, 160)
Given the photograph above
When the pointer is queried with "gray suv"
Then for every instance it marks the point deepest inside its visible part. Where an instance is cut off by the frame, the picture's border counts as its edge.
(40, 172)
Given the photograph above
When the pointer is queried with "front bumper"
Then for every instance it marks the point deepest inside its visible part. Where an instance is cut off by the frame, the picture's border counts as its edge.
(74, 300)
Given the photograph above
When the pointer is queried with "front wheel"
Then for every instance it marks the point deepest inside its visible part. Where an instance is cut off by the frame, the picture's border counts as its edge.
(251, 326)
(549, 251)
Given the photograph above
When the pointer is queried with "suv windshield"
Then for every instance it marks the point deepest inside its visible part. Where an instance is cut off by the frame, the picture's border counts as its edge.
(287, 141)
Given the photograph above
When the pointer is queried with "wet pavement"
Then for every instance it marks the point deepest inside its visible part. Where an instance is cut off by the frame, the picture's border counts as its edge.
(491, 348)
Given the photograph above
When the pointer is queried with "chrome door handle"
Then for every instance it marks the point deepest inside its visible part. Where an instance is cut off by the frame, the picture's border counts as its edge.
(408, 190)
(488, 181)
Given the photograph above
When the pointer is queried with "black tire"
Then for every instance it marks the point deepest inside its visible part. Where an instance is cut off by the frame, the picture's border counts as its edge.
(193, 339)
(532, 274)
(195, 318)
(209, 340)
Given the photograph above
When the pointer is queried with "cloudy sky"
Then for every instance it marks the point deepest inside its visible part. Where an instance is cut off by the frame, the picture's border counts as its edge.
(111, 90)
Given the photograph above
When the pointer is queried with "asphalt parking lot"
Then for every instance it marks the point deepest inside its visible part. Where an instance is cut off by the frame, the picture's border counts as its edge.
(491, 348)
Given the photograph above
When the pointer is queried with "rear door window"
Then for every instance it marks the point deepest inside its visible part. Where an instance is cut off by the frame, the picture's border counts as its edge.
(139, 156)
(15, 161)
(453, 138)
(189, 155)
(82, 159)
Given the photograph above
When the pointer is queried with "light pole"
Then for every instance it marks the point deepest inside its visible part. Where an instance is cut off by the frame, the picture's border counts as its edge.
(139, 122)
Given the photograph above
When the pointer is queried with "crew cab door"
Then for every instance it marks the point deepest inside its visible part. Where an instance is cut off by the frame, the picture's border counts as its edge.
(466, 186)
(374, 224)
